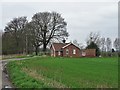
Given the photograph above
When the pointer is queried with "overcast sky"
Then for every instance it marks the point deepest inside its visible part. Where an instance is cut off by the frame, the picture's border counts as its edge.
(81, 17)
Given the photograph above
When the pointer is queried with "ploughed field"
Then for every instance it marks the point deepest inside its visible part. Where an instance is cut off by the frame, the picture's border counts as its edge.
(50, 72)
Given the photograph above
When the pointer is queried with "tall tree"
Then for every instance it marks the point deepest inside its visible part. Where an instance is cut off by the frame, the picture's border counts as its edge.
(33, 36)
(93, 37)
(108, 44)
(117, 44)
(15, 30)
(93, 42)
(50, 26)
(102, 44)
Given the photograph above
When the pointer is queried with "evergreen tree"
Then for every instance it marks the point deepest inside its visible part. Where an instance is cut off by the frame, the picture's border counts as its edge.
(92, 45)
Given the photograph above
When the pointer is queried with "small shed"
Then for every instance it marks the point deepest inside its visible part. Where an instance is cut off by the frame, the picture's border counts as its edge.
(88, 53)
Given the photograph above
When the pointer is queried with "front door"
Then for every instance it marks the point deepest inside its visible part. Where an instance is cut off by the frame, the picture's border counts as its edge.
(61, 53)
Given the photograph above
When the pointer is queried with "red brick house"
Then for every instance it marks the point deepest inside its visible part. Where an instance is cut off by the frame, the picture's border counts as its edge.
(70, 50)
(65, 50)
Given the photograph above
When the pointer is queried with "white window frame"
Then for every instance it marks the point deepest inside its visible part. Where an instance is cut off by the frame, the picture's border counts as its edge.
(67, 51)
(74, 51)
(59, 53)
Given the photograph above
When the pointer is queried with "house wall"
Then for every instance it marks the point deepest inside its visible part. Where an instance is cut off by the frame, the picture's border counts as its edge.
(58, 54)
(90, 52)
(55, 53)
(70, 54)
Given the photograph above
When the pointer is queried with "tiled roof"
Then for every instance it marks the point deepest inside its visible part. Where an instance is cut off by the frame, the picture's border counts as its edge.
(58, 46)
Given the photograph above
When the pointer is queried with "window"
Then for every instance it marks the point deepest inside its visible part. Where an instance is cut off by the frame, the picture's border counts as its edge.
(59, 53)
(67, 51)
(83, 53)
(74, 51)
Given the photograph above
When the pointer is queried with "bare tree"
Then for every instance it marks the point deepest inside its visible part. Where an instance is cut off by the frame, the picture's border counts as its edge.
(117, 44)
(33, 35)
(93, 37)
(108, 44)
(16, 26)
(15, 30)
(75, 42)
(80, 45)
(50, 26)
(103, 44)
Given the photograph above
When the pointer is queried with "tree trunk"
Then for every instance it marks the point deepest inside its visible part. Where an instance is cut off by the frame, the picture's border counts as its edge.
(44, 40)
(44, 47)
(36, 50)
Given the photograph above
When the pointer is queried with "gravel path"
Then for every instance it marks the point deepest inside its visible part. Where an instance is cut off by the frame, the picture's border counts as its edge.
(4, 77)
(0, 74)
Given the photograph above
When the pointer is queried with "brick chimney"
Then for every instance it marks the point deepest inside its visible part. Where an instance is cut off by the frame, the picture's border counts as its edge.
(63, 40)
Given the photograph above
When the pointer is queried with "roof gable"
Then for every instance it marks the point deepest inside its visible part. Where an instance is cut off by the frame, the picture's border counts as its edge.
(69, 45)
(59, 46)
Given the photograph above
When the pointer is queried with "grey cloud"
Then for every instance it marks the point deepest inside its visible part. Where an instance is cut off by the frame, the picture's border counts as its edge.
(82, 18)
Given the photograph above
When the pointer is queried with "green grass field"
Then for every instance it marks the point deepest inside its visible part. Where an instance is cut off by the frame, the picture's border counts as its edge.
(50, 72)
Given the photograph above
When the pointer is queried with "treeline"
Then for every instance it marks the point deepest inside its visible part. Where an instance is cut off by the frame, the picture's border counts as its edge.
(109, 48)
(23, 36)
(104, 46)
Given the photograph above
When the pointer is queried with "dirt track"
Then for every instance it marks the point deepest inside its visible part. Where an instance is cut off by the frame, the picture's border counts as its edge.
(4, 77)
